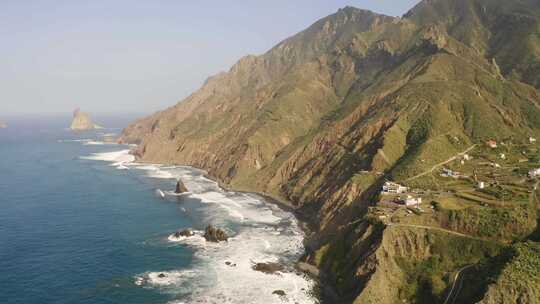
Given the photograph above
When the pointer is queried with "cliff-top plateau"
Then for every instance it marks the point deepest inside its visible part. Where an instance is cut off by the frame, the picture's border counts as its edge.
(408, 145)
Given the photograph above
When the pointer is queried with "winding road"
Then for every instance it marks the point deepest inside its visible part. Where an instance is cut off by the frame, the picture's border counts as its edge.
(456, 286)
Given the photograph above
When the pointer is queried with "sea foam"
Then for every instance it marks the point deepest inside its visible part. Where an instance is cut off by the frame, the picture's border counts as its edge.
(119, 159)
(263, 233)
(223, 272)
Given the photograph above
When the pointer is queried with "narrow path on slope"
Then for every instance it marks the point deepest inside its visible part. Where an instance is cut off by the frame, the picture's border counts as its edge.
(435, 228)
(442, 163)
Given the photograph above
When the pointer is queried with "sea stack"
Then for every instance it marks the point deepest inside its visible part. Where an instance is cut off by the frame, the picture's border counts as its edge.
(215, 235)
(82, 122)
(180, 187)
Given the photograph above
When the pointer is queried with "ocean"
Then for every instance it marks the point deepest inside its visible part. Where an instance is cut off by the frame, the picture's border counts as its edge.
(80, 222)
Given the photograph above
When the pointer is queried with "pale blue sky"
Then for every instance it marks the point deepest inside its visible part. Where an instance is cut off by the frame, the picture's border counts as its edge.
(139, 56)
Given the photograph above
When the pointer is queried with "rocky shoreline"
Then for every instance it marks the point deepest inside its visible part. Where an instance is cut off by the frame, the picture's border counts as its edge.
(303, 222)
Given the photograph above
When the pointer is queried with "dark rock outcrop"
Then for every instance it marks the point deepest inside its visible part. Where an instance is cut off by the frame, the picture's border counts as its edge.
(180, 187)
(183, 233)
(268, 268)
(216, 235)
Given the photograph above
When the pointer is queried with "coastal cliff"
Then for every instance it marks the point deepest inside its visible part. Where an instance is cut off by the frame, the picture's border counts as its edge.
(325, 117)
(81, 122)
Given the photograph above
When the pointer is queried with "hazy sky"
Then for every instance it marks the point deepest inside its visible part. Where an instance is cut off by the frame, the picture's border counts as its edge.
(139, 56)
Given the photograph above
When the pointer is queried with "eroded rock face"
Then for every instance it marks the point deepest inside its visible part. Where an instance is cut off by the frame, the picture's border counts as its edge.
(180, 187)
(82, 122)
(216, 235)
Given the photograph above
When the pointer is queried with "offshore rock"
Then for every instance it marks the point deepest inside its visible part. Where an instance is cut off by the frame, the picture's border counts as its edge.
(82, 122)
(183, 233)
(216, 235)
(180, 187)
(268, 268)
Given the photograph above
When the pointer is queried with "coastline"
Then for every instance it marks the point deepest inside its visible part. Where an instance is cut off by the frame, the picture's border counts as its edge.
(303, 223)
(322, 291)
(263, 238)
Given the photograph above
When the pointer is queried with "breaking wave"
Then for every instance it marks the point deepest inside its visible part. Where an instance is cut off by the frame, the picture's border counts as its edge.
(223, 272)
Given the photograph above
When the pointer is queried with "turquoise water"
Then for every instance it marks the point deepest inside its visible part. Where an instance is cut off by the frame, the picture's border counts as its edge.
(75, 228)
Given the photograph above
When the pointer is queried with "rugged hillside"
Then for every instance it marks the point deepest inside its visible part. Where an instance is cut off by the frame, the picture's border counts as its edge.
(323, 118)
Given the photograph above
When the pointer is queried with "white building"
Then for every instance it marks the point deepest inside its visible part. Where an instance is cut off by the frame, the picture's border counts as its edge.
(532, 140)
(481, 185)
(466, 157)
(534, 173)
(413, 201)
(503, 156)
(390, 187)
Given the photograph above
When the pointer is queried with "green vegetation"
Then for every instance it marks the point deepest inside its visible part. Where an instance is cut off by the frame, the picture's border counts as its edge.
(427, 279)
(359, 98)
(505, 278)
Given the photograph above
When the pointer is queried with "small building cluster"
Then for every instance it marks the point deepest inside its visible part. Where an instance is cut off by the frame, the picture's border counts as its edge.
(393, 188)
(465, 158)
(406, 200)
(412, 201)
(534, 173)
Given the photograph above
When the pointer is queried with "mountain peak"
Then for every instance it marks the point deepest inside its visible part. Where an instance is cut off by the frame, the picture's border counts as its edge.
(355, 10)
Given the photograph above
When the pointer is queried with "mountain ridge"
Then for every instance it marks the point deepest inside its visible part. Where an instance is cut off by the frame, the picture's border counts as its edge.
(327, 115)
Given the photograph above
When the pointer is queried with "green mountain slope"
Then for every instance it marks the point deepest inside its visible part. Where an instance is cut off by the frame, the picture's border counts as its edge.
(323, 118)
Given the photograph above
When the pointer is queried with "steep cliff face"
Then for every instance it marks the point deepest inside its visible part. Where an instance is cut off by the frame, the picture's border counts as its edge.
(325, 116)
